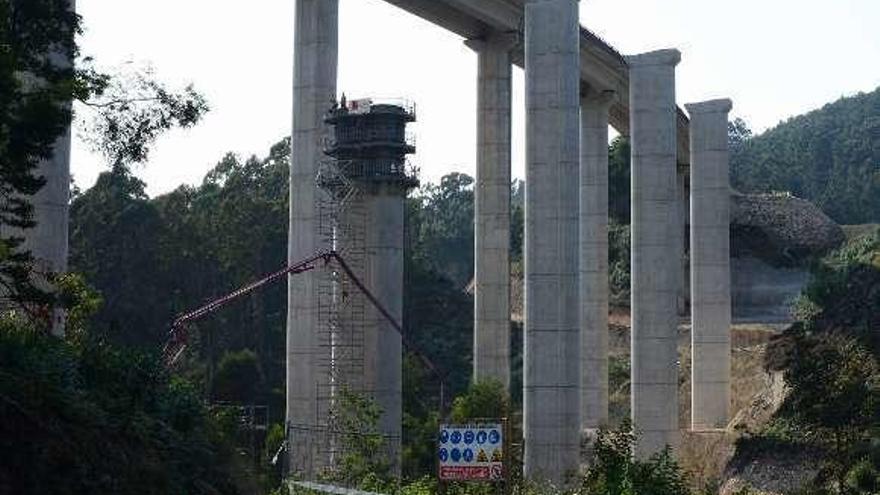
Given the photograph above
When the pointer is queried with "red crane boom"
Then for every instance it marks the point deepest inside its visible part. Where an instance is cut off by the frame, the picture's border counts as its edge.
(178, 335)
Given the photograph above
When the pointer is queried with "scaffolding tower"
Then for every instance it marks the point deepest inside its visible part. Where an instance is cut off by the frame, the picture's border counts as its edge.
(367, 151)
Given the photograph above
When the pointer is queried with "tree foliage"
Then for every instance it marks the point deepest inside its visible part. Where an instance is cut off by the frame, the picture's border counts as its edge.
(442, 227)
(830, 157)
(93, 418)
(484, 400)
(831, 363)
(35, 91)
(38, 84)
(615, 471)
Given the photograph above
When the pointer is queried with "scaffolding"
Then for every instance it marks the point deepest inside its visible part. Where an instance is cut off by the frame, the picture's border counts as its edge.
(341, 308)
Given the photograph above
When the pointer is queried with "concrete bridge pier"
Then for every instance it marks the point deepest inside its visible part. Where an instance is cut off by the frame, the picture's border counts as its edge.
(653, 120)
(492, 209)
(383, 276)
(552, 337)
(594, 258)
(314, 88)
(710, 264)
(47, 239)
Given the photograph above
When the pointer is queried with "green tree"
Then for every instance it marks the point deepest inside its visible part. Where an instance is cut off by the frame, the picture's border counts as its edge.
(89, 417)
(485, 399)
(618, 180)
(619, 263)
(364, 462)
(38, 83)
(828, 156)
(738, 132)
(615, 471)
(443, 229)
(35, 92)
(238, 378)
(831, 362)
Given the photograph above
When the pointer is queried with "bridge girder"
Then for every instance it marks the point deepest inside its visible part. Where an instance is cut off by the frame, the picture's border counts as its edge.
(602, 68)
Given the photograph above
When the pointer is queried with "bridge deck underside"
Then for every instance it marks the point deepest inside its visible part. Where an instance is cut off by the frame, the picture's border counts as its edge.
(602, 67)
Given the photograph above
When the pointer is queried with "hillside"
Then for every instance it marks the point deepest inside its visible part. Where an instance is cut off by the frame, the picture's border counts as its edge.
(830, 157)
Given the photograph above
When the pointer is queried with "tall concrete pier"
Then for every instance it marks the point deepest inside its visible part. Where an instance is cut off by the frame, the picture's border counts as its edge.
(710, 264)
(654, 267)
(552, 337)
(383, 276)
(47, 240)
(314, 88)
(369, 183)
(492, 210)
(594, 259)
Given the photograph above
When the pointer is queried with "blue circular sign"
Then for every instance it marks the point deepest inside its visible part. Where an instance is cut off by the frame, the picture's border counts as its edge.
(481, 437)
(444, 455)
(456, 455)
(444, 436)
(494, 437)
(455, 437)
(468, 455)
(469, 437)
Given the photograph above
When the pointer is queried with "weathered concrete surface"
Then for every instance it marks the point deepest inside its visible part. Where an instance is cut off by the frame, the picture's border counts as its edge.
(710, 265)
(552, 337)
(594, 259)
(654, 318)
(314, 88)
(47, 240)
(383, 276)
(492, 210)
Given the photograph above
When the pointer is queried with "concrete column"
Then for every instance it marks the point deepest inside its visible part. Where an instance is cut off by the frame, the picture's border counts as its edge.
(383, 276)
(594, 259)
(314, 88)
(654, 268)
(710, 264)
(492, 211)
(47, 240)
(552, 337)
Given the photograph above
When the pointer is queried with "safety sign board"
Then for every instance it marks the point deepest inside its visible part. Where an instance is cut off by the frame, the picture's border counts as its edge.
(471, 452)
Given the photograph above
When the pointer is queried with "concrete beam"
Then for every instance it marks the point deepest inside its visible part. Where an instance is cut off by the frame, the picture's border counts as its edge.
(594, 259)
(710, 264)
(445, 15)
(552, 337)
(501, 15)
(654, 319)
(314, 88)
(492, 210)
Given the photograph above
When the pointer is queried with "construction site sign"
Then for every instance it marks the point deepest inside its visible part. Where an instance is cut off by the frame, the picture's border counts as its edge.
(471, 452)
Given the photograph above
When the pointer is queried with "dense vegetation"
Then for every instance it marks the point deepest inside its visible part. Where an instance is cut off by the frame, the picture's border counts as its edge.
(831, 362)
(87, 417)
(82, 415)
(830, 157)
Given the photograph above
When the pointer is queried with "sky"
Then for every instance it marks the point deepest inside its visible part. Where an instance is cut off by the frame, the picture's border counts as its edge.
(773, 58)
